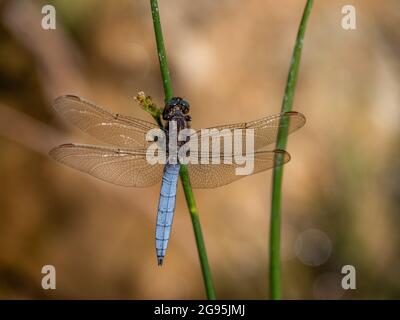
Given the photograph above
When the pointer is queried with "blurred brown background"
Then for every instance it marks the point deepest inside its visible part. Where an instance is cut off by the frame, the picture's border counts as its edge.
(229, 59)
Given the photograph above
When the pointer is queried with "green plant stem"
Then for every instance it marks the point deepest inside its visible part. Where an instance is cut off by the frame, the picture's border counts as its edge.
(275, 224)
(194, 214)
(162, 56)
(184, 174)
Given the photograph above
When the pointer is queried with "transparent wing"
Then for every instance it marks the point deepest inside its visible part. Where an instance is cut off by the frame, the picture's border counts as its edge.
(216, 175)
(121, 167)
(265, 129)
(112, 128)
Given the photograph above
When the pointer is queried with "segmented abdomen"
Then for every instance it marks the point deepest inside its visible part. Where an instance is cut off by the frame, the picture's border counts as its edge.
(166, 208)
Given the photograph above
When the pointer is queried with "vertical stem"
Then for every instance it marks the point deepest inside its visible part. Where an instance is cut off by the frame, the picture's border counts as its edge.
(275, 224)
(184, 174)
(194, 214)
(162, 56)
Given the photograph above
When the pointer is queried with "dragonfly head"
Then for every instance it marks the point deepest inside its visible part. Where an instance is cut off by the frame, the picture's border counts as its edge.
(176, 107)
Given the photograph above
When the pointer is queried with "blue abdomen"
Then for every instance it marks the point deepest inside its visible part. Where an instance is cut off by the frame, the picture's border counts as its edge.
(166, 208)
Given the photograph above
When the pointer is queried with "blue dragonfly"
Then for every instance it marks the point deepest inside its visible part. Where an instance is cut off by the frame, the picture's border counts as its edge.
(124, 162)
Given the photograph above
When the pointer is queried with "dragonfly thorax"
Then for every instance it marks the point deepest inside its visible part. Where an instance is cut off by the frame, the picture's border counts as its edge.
(177, 110)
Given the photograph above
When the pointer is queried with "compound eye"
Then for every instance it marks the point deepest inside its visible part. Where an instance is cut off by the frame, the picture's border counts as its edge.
(185, 107)
(171, 103)
(174, 101)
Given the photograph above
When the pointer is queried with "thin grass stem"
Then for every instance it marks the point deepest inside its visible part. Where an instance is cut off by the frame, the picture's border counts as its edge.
(275, 222)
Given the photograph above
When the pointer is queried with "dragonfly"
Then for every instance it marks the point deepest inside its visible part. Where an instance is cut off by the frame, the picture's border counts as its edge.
(123, 162)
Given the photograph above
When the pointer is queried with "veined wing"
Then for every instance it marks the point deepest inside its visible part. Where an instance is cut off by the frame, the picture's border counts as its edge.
(127, 168)
(265, 129)
(216, 175)
(112, 128)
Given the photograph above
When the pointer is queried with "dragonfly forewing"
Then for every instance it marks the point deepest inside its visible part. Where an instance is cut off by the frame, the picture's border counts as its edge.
(265, 130)
(106, 126)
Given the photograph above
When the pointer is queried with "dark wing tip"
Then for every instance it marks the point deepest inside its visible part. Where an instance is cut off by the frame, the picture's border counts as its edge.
(296, 114)
(160, 261)
(292, 112)
(65, 97)
(53, 152)
(68, 96)
(286, 155)
(66, 145)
